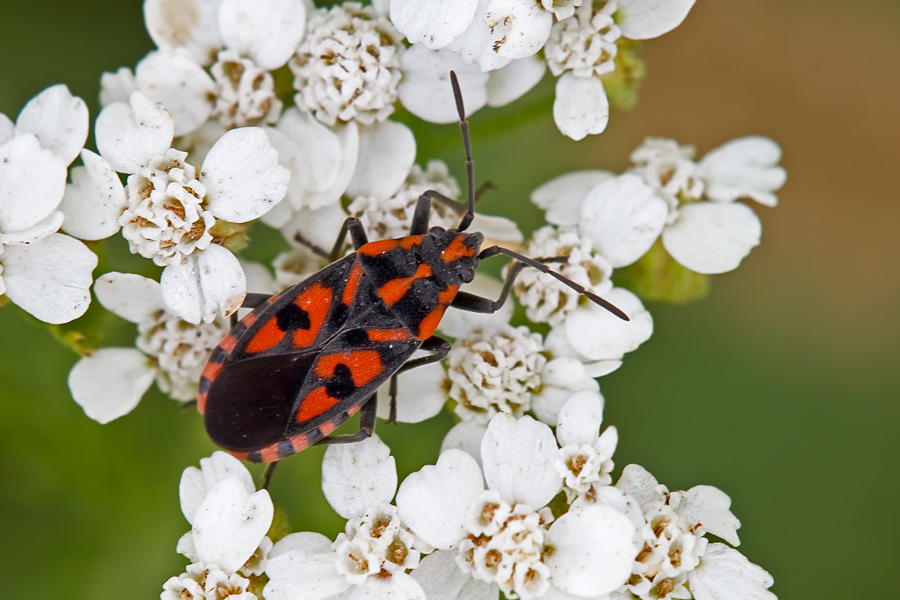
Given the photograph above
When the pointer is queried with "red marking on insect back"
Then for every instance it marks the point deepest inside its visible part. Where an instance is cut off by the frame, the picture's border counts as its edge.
(430, 323)
(266, 338)
(392, 291)
(364, 365)
(447, 296)
(300, 442)
(315, 301)
(269, 453)
(409, 241)
(379, 247)
(388, 335)
(456, 250)
(352, 283)
(201, 403)
(326, 428)
(315, 403)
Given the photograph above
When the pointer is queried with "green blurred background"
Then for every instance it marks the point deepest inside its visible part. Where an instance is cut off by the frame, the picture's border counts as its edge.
(781, 388)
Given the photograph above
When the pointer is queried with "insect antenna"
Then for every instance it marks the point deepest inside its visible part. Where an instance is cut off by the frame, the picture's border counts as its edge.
(470, 164)
(540, 266)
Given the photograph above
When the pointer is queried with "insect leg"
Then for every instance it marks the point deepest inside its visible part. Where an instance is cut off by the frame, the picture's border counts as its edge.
(439, 346)
(470, 164)
(267, 474)
(351, 225)
(366, 425)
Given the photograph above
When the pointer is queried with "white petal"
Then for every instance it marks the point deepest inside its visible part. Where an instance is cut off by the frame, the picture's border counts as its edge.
(710, 507)
(645, 19)
(304, 543)
(348, 136)
(433, 24)
(597, 334)
(425, 90)
(441, 579)
(311, 151)
(94, 200)
(580, 419)
(458, 323)
(399, 586)
(725, 573)
(210, 282)
(110, 382)
(58, 119)
(638, 483)
(299, 575)
(474, 44)
(514, 80)
(712, 238)
(601, 367)
(554, 593)
(518, 28)
(117, 87)
(268, 31)
(358, 476)
(581, 107)
(466, 436)
(593, 551)
(32, 183)
(36, 232)
(7, 129)
(622, 216)
(518, 457)
(175, 80)
(561, 377)
(420, 394)
(745, 167)
(387, 151)
(132, 297)
(189, 24)
(50, 279)
(497, 229)
(230, 523)
(563, 196)
(242, 176)
(196, 483)
(320, 226)
(434, 501)
(128, 136)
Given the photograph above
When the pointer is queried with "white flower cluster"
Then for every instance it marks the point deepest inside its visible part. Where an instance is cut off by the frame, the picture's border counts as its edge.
(579, 39)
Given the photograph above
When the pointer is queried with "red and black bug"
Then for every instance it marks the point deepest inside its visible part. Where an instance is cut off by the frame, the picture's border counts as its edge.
(305, 360)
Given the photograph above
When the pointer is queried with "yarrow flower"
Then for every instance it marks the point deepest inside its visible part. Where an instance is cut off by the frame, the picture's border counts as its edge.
(227, 543)
(504, 536)
(175, 214)
(110, 382)
(240, 42)
(374, 555)
(348, 67)
(45, 273)
(676, 561)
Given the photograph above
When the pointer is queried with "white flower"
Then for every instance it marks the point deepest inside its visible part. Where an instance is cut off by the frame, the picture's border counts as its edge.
(582, 48)
(675, 552)
(348, 67)
(229, 521)
(45, 273)
(243, 42)
(490, 33)
(495, 371)
(503, 536)
(372, 556)
(546, 299)
(585, 455)
(110, 382)
(169, 208)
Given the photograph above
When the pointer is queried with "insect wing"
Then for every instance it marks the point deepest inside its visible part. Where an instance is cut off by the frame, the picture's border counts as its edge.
(252, 400)
(345, 373)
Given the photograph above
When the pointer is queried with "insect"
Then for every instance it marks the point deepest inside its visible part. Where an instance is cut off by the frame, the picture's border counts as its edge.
(305, 360)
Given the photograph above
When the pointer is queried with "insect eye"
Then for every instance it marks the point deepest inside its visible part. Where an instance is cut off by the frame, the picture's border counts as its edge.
(467, 275)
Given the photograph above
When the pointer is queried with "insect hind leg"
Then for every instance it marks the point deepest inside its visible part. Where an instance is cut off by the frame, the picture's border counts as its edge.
(351, 225)
(367, 414)
(441, 349)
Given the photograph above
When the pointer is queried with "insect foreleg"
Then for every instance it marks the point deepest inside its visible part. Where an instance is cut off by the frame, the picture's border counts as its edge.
(351, 225)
